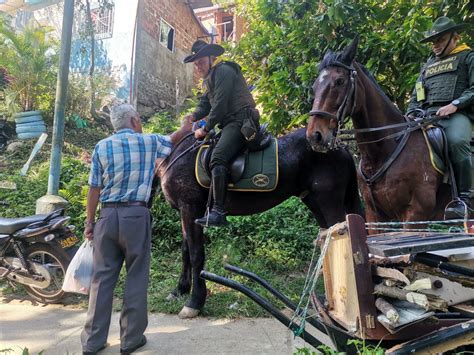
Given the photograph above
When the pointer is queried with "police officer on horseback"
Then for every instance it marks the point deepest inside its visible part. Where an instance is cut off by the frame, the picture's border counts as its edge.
(227, 103)
(445, 87)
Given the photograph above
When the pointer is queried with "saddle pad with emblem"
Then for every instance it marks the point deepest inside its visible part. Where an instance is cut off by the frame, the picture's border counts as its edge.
(260, 173)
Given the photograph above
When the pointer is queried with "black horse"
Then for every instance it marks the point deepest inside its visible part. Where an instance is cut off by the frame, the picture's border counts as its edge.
(326, 183)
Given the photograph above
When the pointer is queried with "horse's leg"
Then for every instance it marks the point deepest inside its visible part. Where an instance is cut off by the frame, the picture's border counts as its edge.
(184, 283)
(195, 249)
(310, 202)
(419, 209)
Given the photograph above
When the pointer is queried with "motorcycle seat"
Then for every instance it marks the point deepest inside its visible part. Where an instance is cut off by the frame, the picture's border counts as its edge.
(11, 225)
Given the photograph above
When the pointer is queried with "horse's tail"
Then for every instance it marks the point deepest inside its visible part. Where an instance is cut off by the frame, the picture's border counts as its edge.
(352, 202)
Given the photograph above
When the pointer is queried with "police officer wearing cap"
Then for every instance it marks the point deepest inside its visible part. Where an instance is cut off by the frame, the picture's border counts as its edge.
(228, 103)
(445, 87)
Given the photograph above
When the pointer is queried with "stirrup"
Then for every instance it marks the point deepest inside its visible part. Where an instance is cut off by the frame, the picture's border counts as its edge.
(212, 219)
(456, 209)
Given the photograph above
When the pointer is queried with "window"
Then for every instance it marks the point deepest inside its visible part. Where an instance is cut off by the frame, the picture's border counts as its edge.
(227, 28)
(167, 35)
(103, 20)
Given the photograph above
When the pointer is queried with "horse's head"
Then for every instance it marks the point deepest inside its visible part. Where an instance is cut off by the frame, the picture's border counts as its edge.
(334, 98)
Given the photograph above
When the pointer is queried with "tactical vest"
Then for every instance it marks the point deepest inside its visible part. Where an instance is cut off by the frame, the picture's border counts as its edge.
(241, 96)
(445, 79)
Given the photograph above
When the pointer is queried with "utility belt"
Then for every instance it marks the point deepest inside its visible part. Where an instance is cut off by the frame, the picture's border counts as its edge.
(250, 118)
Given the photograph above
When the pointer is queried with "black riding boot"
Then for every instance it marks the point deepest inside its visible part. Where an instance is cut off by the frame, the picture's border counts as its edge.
(217, 215)
(462, 173)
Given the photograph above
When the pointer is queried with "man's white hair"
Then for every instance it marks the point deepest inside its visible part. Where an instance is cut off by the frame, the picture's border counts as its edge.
(121, 116)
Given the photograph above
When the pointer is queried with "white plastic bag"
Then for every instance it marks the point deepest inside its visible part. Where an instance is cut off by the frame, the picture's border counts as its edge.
(78, 276)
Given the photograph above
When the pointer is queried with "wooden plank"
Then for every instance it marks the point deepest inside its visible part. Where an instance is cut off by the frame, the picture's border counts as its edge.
(403, 238)
(452, 292)
(466, 309)
(424, 245)
(392, 274)
(339, 280)
(363, 274)
(439, 341)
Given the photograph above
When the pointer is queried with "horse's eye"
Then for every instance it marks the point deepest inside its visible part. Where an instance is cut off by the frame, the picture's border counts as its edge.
(339, 81)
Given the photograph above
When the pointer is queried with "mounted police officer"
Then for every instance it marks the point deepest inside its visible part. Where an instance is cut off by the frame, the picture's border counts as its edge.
(446, 88)
(228, 103)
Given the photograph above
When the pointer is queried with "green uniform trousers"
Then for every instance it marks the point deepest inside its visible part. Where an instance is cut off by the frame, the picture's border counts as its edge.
(458, 130)
(230, 144)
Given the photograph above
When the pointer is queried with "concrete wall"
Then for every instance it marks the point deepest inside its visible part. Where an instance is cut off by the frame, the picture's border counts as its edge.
(162, 80)
(114, 54)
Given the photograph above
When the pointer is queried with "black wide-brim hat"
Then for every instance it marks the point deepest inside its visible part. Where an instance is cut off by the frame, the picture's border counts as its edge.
(202, 49)
(441, 26)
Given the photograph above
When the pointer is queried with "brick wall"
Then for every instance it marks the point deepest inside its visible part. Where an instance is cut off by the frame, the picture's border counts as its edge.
(158, 70)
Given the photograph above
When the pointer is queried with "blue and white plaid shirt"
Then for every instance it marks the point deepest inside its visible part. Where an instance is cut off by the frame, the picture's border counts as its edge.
(123, 165)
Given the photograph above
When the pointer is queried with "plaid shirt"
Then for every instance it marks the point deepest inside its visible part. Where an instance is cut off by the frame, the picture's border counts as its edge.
(123, 165)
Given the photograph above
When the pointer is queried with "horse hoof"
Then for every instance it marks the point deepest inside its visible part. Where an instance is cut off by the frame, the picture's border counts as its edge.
(171, 297)
(187, 313)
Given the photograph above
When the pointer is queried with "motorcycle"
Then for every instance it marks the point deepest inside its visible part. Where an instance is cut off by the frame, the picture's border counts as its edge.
(35, 251)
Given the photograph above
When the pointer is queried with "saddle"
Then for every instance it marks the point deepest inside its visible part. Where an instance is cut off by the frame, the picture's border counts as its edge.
(437, 146)
(254, 169)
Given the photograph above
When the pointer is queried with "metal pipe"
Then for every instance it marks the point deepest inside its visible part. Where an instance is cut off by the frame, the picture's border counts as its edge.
(434, 261)
(264, 303)
(61, 96)
(263, 283)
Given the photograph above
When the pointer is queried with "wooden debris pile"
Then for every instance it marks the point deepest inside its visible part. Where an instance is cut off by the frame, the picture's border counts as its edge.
(409, 291)
(397, 285)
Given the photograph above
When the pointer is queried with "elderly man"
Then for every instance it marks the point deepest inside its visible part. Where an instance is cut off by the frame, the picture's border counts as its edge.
(229, 104)
(446, 88)
(120, 179)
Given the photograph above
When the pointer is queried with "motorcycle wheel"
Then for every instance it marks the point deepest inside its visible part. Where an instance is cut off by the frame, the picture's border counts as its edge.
(56, 261)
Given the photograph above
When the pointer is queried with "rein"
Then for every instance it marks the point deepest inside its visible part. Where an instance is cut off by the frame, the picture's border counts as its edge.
(194, 145)
(409, 125)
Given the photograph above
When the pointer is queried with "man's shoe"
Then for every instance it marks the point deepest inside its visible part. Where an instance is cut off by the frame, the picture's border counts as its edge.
(127, 351)
(215, 218)
(95, 352)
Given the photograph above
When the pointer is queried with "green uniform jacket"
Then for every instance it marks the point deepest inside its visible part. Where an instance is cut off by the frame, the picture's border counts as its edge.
(226, 96)
(461, 79)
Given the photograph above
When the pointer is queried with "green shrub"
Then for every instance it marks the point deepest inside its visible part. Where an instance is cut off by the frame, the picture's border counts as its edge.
(30, 58)
(161, 123)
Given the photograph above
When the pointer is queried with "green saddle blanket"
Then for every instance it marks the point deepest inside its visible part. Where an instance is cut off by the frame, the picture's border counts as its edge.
(259, 175)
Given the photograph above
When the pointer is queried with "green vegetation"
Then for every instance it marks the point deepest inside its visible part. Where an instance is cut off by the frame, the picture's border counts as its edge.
(30, 59)
(287, 40)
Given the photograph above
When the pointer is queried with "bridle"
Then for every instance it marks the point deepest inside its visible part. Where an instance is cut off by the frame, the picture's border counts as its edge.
(343, 111)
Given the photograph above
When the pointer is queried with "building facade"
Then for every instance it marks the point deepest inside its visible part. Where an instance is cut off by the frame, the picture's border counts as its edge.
(139, 43)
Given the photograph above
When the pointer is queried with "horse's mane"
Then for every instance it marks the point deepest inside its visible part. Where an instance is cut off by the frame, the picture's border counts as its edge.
(374, 81)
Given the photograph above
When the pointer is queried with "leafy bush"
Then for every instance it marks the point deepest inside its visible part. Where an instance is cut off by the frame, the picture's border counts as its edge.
(79, 96)
(30, 58)
(22, 201)
(162, 123)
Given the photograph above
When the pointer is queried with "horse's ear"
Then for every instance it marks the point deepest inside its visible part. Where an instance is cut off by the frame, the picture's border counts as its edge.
(350, 51)
(329, 53)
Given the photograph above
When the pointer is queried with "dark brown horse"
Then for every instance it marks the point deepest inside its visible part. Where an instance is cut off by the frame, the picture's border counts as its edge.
(396, 177)
(326, 183)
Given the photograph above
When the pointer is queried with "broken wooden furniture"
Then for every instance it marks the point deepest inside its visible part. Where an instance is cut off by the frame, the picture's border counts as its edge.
(383, 289)
(393, 287)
